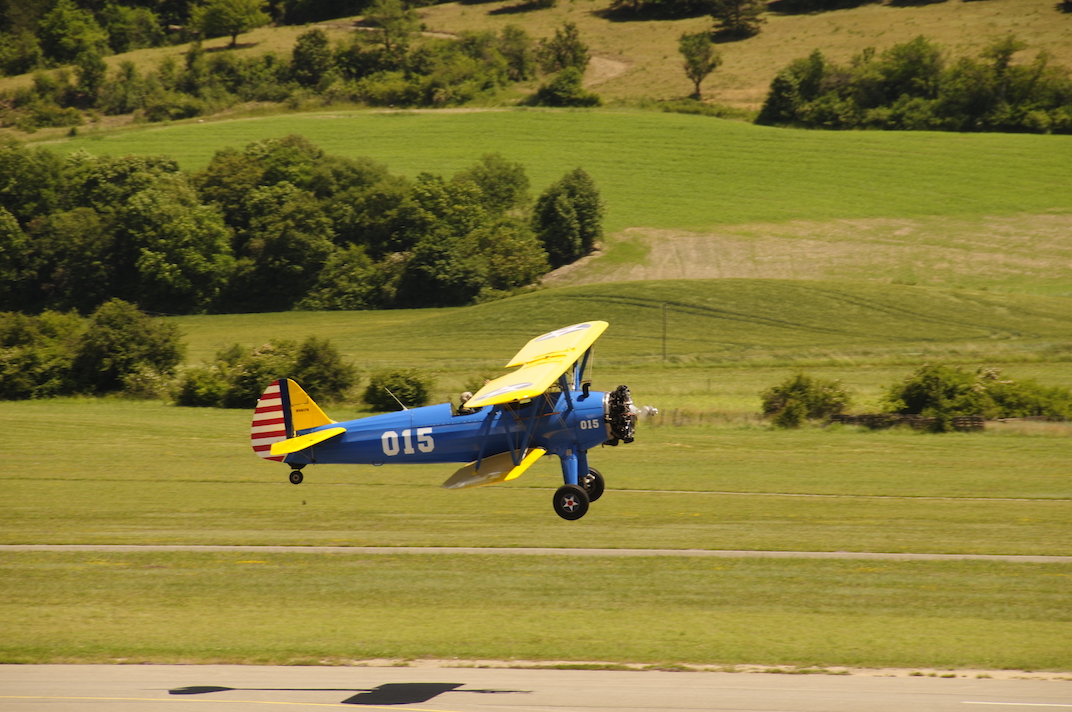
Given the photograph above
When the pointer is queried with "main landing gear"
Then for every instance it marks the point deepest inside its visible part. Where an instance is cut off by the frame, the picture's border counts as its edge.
(296, 476)
(571, 501)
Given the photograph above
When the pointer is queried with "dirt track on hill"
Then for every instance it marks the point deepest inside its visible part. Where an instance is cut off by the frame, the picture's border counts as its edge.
(946, 251)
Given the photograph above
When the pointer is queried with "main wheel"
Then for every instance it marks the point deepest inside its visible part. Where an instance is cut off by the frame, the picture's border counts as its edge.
(593, 484)
(571, 502)
(296, 477)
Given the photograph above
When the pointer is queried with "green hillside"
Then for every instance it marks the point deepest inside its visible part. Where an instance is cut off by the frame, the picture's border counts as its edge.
(671, 170)
(707, 320)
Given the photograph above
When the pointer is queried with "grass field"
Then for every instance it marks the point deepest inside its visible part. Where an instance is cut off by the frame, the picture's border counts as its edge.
(706, 474)
(109, 471)
(671, 170)
(695, 197)
(112, 472)
(304, 609)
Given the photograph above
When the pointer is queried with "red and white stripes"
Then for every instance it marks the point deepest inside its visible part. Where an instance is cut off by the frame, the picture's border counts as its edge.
(269, 422)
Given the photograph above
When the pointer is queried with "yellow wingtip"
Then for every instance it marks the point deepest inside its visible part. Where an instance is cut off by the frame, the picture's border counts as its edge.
(494, 469)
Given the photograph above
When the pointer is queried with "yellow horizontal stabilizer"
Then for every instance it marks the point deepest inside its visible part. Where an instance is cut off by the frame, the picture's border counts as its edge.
(542, 361)
(497, 468)
(285, 447)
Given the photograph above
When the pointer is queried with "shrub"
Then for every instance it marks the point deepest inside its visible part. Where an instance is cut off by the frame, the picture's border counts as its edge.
(409, 386)
(321, 371)
(36, 354)
(565, 90)
(238, 377)
(945, 392)
(201, 386)
(802, 397)
(119, 341)
(940, 392)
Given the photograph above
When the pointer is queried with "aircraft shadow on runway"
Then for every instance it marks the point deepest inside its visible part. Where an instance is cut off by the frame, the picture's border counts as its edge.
(396, 693)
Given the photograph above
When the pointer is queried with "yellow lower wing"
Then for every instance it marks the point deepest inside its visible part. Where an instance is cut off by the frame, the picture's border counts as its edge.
(285, 447)
(497, 468)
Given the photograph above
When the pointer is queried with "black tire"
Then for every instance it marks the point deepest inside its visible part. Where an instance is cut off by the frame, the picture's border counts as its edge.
(570, 502)
(593, 484)
(296, 477)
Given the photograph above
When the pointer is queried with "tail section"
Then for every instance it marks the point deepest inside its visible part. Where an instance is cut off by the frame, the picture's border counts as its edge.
(283, 410)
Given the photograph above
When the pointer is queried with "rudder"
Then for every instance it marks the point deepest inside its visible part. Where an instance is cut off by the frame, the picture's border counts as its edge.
(283, 411)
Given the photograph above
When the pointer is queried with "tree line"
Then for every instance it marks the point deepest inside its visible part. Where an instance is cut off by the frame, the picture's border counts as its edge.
(917, 86)
(277, 225)
(119, 349)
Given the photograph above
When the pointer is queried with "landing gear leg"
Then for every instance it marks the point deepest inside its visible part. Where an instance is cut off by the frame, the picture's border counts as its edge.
(571, 501)
(593, 484)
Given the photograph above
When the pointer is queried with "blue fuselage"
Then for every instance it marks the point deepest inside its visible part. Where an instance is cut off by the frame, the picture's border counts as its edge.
(561, 424)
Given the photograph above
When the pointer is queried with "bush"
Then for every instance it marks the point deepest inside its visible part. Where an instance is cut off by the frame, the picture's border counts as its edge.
(120, 341)
(942, 393)
(801, 398)
(565, 90)
(321, 371)
(238, 377)
(202, 386)
(409, 386)
(945, 392)
(36, 354)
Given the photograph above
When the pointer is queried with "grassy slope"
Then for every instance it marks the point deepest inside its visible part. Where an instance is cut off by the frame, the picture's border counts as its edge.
(674, 171)
(653, 65)
(709, 321)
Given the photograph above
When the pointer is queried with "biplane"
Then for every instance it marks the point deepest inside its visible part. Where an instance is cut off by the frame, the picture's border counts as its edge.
(544, 407)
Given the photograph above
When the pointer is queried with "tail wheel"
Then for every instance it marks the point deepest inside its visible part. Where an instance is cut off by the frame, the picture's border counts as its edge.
(593, 484)
(571, 502)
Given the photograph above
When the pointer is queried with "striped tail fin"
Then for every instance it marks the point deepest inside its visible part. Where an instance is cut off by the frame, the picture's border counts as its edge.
(271, 420)
(283, 411)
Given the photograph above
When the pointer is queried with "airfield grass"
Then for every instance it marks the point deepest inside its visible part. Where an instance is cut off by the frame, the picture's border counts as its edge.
(707, 473)
(323, 609)
(115, 472)
(670, 170)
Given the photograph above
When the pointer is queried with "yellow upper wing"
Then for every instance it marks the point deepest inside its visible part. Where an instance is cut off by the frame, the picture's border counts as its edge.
(542, 361)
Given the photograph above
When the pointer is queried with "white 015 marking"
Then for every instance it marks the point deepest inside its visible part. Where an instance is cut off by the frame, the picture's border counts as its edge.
(592, 424)
(391, 445)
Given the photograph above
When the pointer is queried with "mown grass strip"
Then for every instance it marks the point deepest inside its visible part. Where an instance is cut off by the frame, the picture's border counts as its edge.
(286, 608)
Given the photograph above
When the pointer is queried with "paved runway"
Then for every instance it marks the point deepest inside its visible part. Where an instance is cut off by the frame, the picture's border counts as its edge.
(230, 688)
